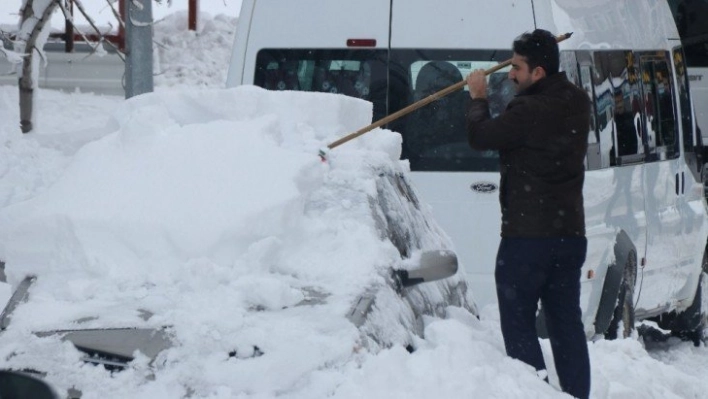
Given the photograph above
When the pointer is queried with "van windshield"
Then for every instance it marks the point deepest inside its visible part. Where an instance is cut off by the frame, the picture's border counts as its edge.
(435, 136)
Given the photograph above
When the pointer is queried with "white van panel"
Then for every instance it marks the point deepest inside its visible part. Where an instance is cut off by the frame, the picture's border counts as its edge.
(606, 24)
(328, 24)
(459, 24)
(300, 24)
(234, 76)
(472, 219)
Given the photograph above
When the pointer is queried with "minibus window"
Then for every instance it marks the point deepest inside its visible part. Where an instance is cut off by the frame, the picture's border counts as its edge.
(660, 122)
(684, 100)
(577, 66)
(618, 104)
(435, 136)
(359, 73)
(691, 144)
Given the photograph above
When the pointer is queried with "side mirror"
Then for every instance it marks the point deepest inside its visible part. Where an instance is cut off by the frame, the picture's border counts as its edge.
(434, 265)
(19, 385)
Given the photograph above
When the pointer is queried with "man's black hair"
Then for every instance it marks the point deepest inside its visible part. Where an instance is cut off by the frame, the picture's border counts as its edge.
(540, 49)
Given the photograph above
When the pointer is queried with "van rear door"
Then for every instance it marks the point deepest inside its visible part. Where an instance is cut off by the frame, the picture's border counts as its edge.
(434, 45)
(459, 24)
(305, 24)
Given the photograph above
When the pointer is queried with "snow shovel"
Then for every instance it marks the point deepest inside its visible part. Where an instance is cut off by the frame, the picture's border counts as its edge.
(419, 104)
(434, 265)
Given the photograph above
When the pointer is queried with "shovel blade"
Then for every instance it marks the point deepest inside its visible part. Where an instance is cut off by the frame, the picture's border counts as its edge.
(434, 265)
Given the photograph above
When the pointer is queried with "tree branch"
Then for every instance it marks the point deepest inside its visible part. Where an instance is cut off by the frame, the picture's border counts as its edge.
(91, 22)
(116, 14)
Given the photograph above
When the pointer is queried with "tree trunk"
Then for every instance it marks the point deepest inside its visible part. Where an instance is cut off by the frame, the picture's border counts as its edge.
(26, 82)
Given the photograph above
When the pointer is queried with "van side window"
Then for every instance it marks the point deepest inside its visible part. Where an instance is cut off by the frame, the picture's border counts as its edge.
(659, 120)
(356, 73)
(577, 66)
(684, 99)
(618, 103)
(435, 136)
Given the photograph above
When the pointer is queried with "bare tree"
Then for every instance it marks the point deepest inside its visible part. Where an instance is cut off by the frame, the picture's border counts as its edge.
(29, 42)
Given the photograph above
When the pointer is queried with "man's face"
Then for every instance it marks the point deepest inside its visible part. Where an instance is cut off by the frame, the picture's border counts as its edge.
(521, 75)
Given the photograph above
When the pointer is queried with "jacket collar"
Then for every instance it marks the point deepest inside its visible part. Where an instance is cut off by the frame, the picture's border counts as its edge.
(541, 85)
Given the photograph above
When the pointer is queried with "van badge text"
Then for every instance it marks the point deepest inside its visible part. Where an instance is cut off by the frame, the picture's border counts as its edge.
(484, 187)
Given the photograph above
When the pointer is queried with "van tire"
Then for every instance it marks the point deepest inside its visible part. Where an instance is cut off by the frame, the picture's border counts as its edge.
(690, 324)
(622, 323)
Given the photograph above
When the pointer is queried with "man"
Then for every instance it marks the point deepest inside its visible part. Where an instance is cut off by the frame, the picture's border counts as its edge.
(542, 139)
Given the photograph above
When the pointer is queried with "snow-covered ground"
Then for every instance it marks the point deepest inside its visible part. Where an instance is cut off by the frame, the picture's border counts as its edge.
(184, 203)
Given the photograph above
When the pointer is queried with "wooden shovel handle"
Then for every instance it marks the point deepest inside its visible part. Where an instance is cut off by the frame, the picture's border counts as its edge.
(427, 100)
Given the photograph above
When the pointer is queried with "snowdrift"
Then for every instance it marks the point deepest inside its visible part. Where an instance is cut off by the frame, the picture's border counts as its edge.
(208, 215)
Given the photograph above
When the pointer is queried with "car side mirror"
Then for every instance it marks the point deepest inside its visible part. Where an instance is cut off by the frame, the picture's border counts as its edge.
(434, 265)
(14, 384)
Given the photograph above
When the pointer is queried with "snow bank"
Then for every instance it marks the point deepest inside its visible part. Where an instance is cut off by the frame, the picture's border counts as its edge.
(211, 213)
(189, 175)
(194, 58)
(26, 166)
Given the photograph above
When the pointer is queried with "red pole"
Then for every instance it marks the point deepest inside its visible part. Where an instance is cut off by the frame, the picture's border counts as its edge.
(193, 12)
(121, 26)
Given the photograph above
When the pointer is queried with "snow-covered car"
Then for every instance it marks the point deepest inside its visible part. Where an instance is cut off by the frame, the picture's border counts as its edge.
(206, 244)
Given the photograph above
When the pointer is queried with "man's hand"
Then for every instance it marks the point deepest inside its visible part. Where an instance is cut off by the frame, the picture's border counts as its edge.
(477, 82)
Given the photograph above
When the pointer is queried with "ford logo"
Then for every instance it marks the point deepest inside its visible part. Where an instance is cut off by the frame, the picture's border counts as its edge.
(484, 187)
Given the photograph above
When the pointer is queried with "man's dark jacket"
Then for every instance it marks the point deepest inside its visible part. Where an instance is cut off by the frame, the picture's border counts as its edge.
(542, 140)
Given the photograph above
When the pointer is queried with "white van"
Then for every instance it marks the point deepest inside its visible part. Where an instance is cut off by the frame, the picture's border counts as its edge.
(645, 209)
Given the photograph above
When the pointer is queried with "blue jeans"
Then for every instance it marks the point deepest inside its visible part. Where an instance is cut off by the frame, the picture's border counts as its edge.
(545, 269)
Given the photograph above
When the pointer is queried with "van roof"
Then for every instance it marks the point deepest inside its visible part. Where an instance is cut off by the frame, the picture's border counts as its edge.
(605, 24)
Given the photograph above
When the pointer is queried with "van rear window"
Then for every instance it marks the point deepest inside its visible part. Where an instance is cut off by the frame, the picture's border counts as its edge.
(435, 136)
(357, 73)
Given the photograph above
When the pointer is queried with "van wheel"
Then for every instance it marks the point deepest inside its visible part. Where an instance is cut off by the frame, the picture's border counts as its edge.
(622, 323)
(690, 324)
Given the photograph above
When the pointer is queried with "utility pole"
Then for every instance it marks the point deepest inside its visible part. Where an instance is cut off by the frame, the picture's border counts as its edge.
(138, 47)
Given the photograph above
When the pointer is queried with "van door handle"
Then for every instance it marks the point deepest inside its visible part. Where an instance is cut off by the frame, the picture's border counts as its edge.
(683, 182)
(677, 184)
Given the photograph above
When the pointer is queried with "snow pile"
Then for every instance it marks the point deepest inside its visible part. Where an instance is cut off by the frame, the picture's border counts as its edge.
(189, 175)
(31, 163)
(192, 58)
(211, 212)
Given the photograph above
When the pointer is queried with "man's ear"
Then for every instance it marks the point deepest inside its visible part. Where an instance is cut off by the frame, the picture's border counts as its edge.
(538, 73)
